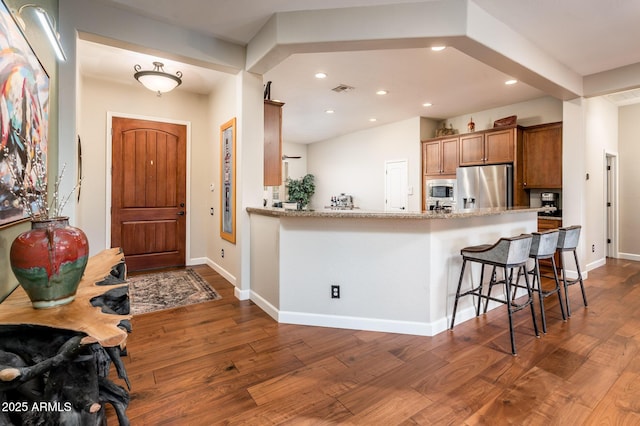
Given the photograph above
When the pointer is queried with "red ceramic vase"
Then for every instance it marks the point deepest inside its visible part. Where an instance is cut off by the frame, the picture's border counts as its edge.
(49, 261)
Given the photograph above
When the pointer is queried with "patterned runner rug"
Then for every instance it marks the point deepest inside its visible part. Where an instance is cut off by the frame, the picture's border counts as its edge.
(169, 289)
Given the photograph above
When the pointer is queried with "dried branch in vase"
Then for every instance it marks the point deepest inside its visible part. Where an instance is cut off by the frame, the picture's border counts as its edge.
(28, 185)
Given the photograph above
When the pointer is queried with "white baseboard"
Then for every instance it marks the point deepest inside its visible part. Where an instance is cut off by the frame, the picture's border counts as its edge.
(197, 261)
(629, 256)
(239, 294)
(242, 294)
(355, 323)
(219, 269)
(595, 264)
(271, 310)
(367, 324)
(352, 323)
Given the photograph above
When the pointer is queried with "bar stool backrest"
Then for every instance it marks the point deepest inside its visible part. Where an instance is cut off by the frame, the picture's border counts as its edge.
(569, 237)
(519, 248)
(544, 243)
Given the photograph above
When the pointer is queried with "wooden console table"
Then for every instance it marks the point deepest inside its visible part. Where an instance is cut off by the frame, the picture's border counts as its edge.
(54, 363)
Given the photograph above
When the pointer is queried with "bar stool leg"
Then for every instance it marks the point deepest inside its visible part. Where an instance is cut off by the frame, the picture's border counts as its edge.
(455, 303)
(492, 282)
(513, 307)
(507, 283)
(480, 291)
(558, 290)
(567, 283)
(536, 277)
(533, 311)
(584, 295)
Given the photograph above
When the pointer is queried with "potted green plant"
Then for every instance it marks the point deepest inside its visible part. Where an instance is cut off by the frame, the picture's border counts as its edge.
(301, 190)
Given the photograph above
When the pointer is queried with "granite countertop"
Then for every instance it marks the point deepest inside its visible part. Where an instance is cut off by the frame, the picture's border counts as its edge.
(371, 214)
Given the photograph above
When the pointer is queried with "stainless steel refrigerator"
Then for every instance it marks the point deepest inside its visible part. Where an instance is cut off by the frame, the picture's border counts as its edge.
(484, 186)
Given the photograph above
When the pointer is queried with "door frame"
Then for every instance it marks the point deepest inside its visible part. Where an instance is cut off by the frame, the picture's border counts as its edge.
(110, 116)
(611, 229)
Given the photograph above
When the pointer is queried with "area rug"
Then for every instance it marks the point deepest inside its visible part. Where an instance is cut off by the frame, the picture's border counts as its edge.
(170, 289)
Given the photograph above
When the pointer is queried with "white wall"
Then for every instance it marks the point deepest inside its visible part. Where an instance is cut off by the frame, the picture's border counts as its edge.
(297, 167)
(222, 106)
(354, 164)
(573, 172)
(629, 174)
(99, 97)
(538, 111)
(601, 138)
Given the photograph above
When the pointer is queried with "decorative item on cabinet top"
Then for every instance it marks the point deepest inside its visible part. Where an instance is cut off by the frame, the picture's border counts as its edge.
(446, 131)
(506, 121)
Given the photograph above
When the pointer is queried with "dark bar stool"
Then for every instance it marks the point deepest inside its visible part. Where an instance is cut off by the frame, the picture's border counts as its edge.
(509, 254)
(568, 241)
(543, 246)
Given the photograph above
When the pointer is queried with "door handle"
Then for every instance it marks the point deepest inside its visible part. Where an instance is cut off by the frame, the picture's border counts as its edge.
(181, 213)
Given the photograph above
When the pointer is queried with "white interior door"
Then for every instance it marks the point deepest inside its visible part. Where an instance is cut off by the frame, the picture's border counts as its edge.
(396, 186)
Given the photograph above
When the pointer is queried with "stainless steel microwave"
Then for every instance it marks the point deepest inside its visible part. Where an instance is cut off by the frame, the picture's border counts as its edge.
(440, 192)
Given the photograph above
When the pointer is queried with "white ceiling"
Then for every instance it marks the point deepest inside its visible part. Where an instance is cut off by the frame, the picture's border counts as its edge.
(574, 32)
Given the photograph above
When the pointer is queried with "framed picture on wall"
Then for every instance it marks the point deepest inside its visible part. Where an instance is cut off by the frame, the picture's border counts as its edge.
(24, 120)
(228, 181)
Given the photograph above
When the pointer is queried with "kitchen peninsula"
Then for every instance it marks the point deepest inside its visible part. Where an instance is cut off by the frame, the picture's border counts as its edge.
(396, 272)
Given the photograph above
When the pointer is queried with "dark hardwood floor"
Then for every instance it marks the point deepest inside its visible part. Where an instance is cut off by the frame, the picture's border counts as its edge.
(227, 362)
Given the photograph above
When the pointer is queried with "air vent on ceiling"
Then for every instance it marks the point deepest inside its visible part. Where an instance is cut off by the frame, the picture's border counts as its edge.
(628, 97)
(343, 88)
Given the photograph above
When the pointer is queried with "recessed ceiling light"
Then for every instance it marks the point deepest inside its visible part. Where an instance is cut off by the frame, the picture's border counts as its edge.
(381, 92)
(321, 75)
(427, 104)
(329, 111)
(438, 48)
(510, 82)
(373, 119)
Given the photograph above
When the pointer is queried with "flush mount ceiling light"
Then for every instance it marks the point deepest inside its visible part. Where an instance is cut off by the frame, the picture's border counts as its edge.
(438, 48)
(427, 104)
(382, 92)
(47, 26)
(510, 82)
(321, 75)
(157, 80)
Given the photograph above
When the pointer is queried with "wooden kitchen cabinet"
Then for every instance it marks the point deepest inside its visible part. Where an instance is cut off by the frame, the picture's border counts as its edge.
(490, 147)
(472, 149)
(542, 156)
(547, 224)
(272, 143)
(440, 157)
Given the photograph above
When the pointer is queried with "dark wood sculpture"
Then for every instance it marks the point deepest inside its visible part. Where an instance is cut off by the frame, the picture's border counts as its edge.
(54, 363)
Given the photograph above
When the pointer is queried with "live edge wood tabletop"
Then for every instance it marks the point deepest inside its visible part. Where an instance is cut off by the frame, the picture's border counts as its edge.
(69, 346)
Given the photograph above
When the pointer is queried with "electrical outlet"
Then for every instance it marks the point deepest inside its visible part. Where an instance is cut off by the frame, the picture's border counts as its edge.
(335, 292)
(222, 253)
(593, 248)
(211, 211)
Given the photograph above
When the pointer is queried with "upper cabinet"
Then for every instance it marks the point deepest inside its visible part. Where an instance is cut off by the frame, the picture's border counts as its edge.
(542, 156)
(272, 143)
(440, 157)
(489, 147)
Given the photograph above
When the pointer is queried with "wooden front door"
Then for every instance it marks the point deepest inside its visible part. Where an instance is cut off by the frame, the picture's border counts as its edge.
(148, 192)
